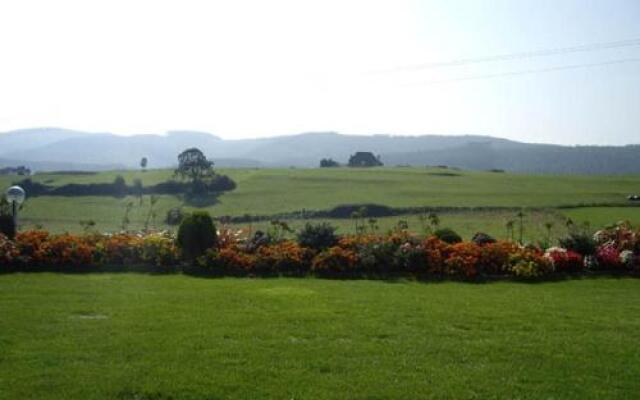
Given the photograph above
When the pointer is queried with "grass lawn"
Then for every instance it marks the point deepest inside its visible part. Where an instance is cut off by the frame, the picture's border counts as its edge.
(130, 336)
(603, 216)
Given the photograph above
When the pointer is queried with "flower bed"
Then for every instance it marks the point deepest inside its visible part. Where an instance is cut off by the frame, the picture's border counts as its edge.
(617, 249)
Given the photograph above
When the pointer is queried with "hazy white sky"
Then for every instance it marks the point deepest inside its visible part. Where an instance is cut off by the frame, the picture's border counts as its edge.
(263, 68)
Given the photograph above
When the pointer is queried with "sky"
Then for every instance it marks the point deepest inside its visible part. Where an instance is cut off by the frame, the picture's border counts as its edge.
(548, 71)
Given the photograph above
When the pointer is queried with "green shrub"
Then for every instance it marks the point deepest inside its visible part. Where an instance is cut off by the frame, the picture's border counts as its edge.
(481, 238)
(174, 216)
(580, 242)
(7, 226)
(318, 236)
(377, 257)
(448, 235)
(196, 234)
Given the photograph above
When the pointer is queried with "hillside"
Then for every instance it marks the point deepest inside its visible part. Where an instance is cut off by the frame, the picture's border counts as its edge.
(49, 149)
(473, 200)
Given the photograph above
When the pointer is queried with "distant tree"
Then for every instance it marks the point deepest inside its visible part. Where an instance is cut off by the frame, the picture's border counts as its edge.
(120, 186)
(194, 166)
(328, 163)
(364, 159)
(138, 189)
(143, 163)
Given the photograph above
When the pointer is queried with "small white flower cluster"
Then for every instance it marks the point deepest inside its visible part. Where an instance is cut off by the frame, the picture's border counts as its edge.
(626, 257)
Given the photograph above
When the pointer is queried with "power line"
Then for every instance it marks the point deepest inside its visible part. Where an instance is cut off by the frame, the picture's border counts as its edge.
(526, 72)
(517, 56)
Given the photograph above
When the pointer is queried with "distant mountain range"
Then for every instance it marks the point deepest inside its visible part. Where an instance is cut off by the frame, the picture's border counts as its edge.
(45, 149)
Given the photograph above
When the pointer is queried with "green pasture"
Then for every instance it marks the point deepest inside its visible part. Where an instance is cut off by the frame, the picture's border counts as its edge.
(272, 191)
(129, 336)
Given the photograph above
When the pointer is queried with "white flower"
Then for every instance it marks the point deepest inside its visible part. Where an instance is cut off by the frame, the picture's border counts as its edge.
(590, 262)
(626, 257)
(600, 236)
(556, 249)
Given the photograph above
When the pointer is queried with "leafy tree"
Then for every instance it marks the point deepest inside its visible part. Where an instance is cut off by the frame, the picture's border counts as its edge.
(364, 159)
(143, 163)
(194, 166)
(328, 163)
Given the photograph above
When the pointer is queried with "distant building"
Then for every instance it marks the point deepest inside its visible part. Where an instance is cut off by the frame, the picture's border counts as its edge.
(364, 159)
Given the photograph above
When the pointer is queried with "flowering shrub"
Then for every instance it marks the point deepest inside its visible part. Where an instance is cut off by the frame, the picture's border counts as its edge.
(160, 250)
(119, 249)
(227, 261)
(229, 237)
(8, 253)
(621, 236)
(564, 260)
(608, 257)
(530, 263)
(286, 257)
(30, 246)
(411, 257)
(366, 255)
(463, 260)
(335, 261)
(628, 259)
(65, 251)
(495, 257)
(436, 252)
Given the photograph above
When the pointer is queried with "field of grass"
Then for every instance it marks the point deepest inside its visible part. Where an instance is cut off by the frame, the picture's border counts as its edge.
(602, 216)
(271, 191)
(465, 223)
(129, 336)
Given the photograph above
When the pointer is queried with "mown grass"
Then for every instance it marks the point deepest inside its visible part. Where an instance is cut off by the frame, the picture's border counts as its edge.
(603, 216)
(272, 191)
(128, 336)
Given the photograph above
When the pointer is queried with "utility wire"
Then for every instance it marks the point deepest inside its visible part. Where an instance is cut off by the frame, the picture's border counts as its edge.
(517, 56)
(526, 72)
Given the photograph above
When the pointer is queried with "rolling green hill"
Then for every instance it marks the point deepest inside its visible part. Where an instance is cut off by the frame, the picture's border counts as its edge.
(273, 191)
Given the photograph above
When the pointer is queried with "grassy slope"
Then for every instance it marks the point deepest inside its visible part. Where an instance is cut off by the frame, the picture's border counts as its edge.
(269, 191)
(129, 336)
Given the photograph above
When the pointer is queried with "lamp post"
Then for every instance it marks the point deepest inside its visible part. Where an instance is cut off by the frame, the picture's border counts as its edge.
(15, 195)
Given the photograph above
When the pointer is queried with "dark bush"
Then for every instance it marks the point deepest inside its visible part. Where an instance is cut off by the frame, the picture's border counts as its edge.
(221, 183)
(370, 210)
(448, 235)
(378, 257)
(120, 186)
(410, 258)
(580, 242)
(481, 238)
(196, 234)
(174, 216)
(33, 188)
(168, 187)
(7, 226)
(328, 163)
(258, 240)
(318, 236)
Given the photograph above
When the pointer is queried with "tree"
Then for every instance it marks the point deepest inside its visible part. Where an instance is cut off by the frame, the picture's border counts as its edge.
(364, 159)
(193, 165)
(143, 163)
(328, 163)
